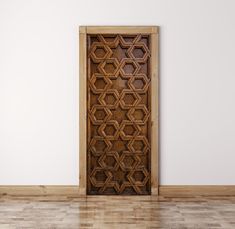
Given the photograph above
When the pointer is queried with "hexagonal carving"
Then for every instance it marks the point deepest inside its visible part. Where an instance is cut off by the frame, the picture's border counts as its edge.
(128, 161)
(109, 130)
(99, 83)
(129, 68)
(139, 145)
(109, 68)
(99, 52)
(139, 176)
(110, 160)
(109, 99)
(139, 114)
(128, 130)
(129, 99)
(99, 114)
(139, 83)
(99, 177)
(99, 145)
(139, 52)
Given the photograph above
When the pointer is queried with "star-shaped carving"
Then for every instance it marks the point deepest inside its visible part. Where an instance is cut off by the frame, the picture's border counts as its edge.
(119, 114)
(119, 52)
(119, 145)
(120, 83)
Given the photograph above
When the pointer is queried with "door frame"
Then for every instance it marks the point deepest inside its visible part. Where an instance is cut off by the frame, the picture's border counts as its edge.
(153, 31)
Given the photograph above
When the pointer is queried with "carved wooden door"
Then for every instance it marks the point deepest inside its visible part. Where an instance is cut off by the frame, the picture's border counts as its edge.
(118, 125)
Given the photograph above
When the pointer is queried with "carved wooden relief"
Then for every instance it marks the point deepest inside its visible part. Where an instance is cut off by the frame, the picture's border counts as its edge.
(118, 125)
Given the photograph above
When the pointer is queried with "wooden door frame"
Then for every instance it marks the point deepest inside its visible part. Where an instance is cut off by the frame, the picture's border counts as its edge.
(153, 31)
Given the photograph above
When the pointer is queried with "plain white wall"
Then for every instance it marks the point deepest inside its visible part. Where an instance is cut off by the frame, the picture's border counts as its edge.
(39, 86)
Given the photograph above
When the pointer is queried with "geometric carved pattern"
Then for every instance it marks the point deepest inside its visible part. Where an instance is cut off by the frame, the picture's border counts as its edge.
(118, 101)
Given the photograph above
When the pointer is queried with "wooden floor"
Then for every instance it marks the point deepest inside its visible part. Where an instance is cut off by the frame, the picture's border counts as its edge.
(117, 212)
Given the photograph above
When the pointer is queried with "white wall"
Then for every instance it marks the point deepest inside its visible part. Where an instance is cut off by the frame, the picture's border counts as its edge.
(39, 86)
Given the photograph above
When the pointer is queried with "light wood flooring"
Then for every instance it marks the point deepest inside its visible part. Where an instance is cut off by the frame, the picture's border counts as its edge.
(116, 212)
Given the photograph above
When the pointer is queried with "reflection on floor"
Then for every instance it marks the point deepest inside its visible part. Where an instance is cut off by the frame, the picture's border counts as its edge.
(116, 212)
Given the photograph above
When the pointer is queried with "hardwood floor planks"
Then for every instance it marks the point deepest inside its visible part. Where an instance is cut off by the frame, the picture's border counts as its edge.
(116, 212)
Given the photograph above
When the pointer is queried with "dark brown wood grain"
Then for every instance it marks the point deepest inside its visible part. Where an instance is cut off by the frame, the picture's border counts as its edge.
(118, 125)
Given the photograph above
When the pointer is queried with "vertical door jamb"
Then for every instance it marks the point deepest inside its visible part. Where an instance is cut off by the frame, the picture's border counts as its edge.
(82, 110)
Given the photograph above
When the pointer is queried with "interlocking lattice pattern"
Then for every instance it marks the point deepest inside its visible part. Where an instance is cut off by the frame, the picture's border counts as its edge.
(118, 100)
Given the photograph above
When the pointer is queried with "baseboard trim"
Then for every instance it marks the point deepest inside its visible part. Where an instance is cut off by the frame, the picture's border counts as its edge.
(196, 190)
(73, 190)
(38, 190)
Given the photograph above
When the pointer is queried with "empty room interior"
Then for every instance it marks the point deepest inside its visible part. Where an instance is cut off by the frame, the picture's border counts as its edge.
(117, 114)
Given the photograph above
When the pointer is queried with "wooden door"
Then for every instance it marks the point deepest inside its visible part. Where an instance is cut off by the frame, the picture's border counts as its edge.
(118, 114)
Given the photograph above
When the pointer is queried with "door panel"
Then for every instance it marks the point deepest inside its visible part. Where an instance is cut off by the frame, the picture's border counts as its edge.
(118, 124)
